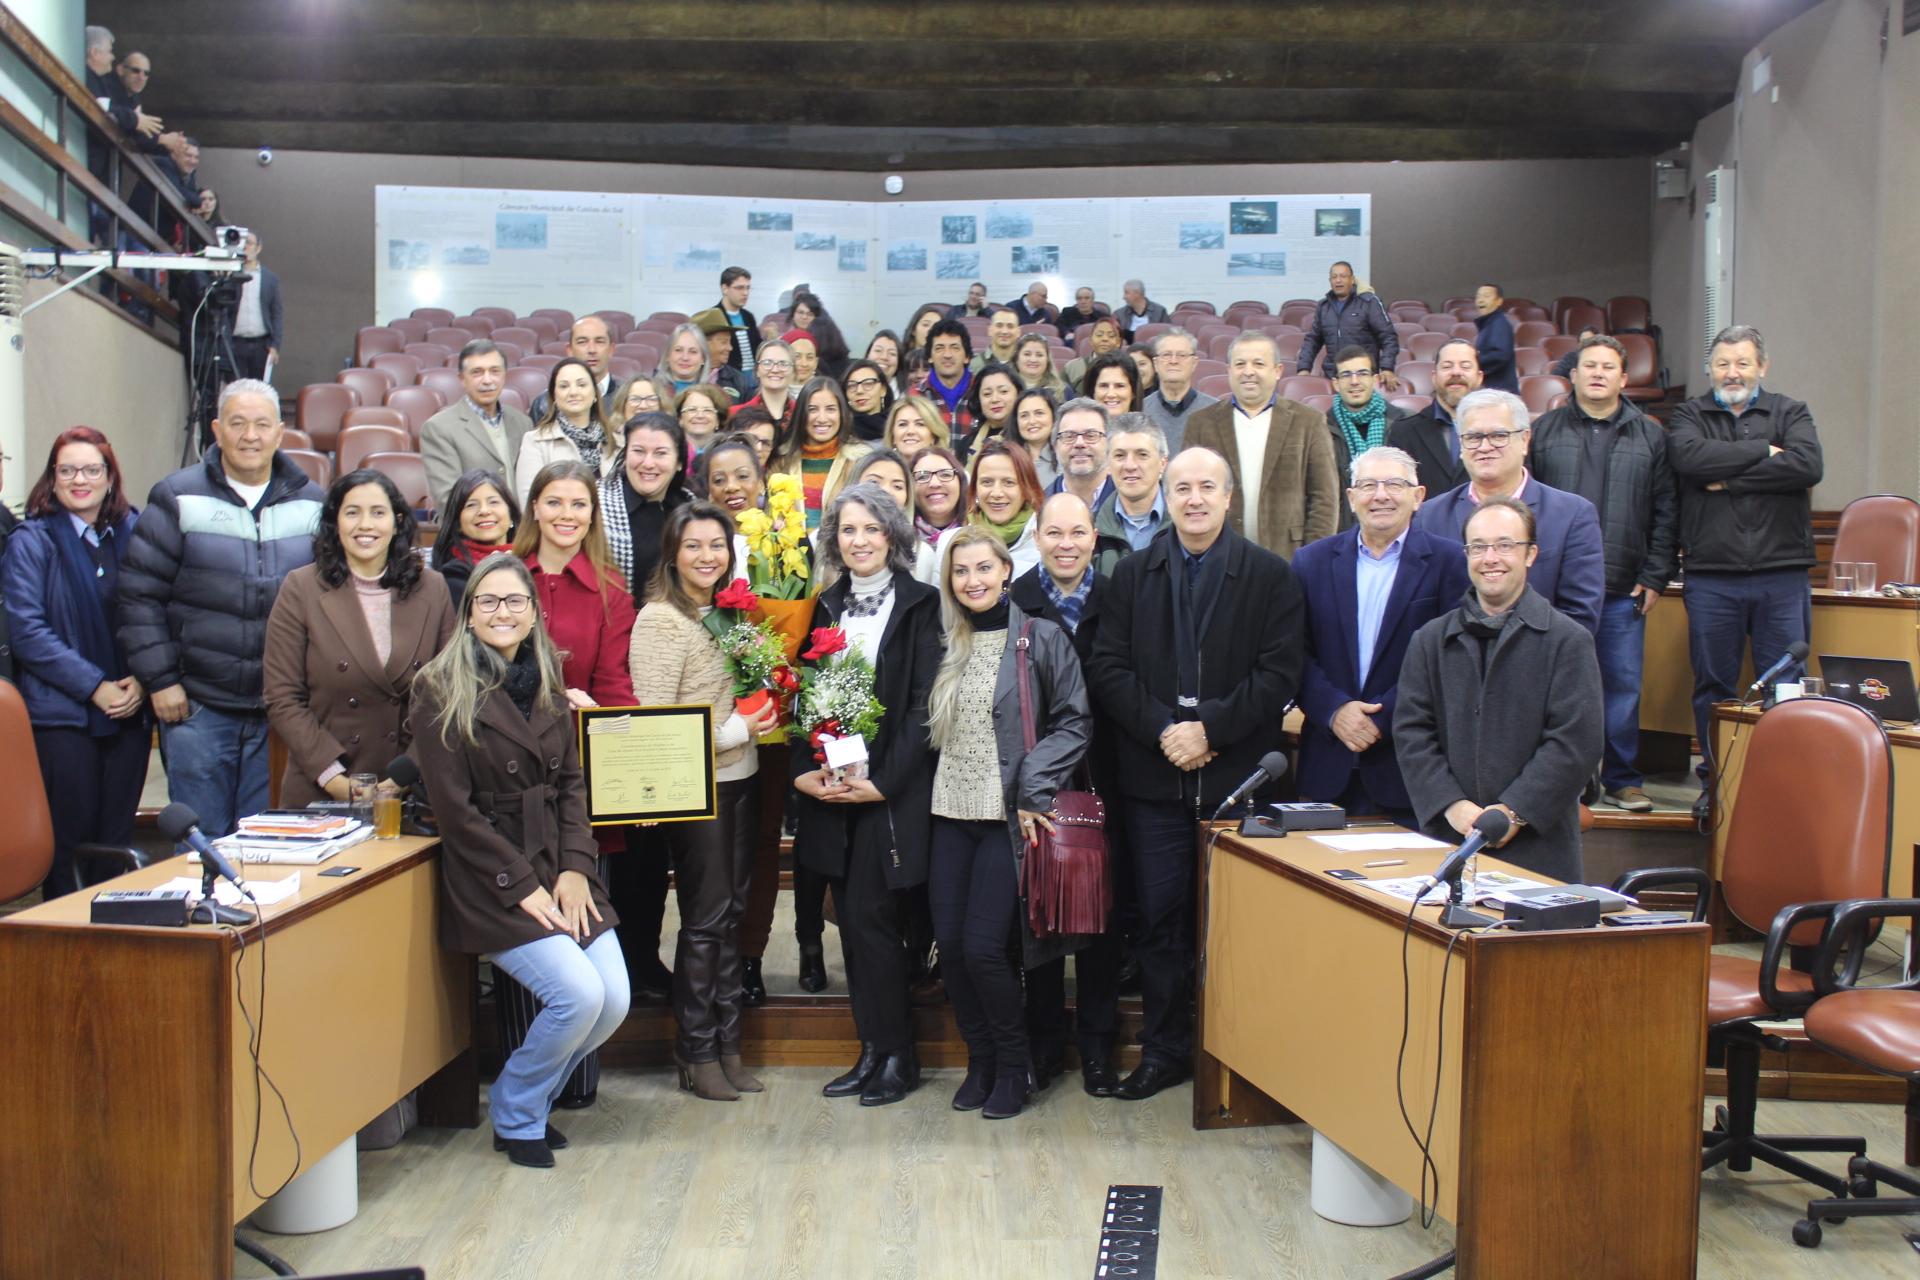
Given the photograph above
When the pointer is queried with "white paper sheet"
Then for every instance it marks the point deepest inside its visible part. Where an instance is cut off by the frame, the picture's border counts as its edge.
(265, 892)
(1378, 843)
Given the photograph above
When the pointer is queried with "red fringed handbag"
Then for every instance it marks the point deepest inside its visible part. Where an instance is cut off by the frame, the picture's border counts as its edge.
(1065, 875)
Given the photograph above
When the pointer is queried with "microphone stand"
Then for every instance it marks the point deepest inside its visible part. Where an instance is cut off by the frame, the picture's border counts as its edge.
(1457, 914)
(210, 910)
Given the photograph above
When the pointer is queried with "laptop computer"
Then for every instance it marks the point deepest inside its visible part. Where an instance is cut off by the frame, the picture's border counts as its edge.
(1883, 686)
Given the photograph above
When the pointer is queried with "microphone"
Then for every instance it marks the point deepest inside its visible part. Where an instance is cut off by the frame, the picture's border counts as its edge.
(1490, 827)
(1272, 765)
(403, 772)
(181, 825)
(1796, 652)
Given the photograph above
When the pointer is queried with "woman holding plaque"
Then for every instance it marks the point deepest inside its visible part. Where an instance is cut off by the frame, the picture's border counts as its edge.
(866, 827)
(992, 796)
(345, 639)
(676, 659)
(519, 882)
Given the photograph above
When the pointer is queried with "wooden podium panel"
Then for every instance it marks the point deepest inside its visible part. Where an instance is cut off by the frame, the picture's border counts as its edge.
(1567, 1135)
(132, 1106)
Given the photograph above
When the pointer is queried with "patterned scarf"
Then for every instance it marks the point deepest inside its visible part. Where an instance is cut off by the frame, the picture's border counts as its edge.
(1070, 607)
(1366, 429)
(587, 440)
(929, 531)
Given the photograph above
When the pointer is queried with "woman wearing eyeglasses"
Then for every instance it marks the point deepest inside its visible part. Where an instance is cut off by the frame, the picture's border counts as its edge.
(870, 397)
(519, 880)
(1006, 501)
(773, 364)
(62, 585)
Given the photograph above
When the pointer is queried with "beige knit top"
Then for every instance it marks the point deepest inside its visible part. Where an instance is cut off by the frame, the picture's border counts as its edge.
(674, 659)
(966, 782)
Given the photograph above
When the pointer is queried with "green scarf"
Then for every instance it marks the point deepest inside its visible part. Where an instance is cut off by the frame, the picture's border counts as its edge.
(1366, 429)
(1009, 532)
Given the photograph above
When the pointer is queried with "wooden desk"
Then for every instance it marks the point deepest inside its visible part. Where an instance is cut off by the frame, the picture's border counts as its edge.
(1858, 626)
(130, 1104)
(1568, 1132)
(1906, 790)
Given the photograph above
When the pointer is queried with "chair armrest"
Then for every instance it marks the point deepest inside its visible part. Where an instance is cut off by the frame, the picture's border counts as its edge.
(93, 863)
(1790, 918)
(1633, 882)
(1851, 922)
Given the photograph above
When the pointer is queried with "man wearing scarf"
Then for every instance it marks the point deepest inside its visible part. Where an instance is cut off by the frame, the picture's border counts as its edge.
(1360, 416)
(1500, 705)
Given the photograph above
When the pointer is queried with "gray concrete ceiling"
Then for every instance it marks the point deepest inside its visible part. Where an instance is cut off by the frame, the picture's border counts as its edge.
(881, 84)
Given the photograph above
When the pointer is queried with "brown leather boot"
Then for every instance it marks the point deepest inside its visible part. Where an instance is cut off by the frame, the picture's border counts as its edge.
(706, 1080)
(737, 1074)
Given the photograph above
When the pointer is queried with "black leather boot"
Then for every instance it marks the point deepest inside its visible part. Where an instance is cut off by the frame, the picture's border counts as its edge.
(813, 968)
(753, 988)
(1011, 1090)
(973, 1091)
(845, 1086)
(897, 1076)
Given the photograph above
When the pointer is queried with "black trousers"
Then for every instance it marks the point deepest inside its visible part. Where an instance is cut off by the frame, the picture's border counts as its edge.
(93, 788)
(876, 952)
(712, 876)
(1161, 843)
(1096, 968)
(974, 895)
(250, 355)
(1357, 800)
(636, 883)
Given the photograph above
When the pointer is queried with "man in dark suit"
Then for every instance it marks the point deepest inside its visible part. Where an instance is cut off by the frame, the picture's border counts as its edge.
(1430, 435)
(258, 324)
(1367, 592)
(1199, 655)
(1571, 570)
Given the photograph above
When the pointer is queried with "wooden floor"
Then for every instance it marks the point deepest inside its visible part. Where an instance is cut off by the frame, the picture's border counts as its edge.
(789, 1184)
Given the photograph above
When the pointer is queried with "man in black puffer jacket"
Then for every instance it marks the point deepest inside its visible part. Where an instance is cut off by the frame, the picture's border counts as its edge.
(200, 577)
(1346, 318)
(1603, 448)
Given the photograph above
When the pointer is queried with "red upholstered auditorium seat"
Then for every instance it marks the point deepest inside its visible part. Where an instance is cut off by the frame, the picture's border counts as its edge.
(478, 326)
(445, 381)
(1529, 361)
(1560, 307)
(411, 328)
(376, 340)
(1574, 319)
(1643, 367)
(408, 471)
(1629, 314)
(433, 315)
(318, 409)
(1425, 346)
(418, 403)
(432, 355)
(1531, 333)
(357, 442)
(1294, 386)
(449, 337)
(499, 315)
(399, 366)
(370, 386)
(318, 466)
(530, 383)
(1541, 390)
(1416, 376)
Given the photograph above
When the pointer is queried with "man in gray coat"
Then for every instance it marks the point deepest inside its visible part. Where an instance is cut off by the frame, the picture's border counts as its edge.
(477, 433)
(1500, 705)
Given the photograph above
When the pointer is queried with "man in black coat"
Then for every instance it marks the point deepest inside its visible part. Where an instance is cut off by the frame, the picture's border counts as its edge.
(1500, 705)
(1066, 588)
(1603, 448)
(1202, 640)
(1347, 318)
(1430, 435)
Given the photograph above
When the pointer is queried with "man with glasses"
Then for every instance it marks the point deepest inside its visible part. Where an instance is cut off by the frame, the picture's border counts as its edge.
(1031, 307)
(196, 587)
(1081, 312)
(1500, 703)
(1367, 592)
(1570, 568)
(1174, 396)
(1360, 417)
(1080, 443)
(1604, 449)
(1348, 318)
(975, 305)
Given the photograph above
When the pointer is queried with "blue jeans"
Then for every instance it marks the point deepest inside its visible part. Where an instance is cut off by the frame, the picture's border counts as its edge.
(1726, 610)
(1621, 648)
(583, 997)
(217, 766)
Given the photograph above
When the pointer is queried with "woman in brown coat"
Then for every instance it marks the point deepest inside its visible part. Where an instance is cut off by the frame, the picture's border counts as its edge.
(519, 877)
(345, 638)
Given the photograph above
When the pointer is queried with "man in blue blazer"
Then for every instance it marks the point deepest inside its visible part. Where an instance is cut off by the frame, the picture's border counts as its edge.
(1571, 570)
(1367, 591)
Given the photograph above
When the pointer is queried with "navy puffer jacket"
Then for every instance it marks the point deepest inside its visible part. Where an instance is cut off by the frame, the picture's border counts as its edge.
(201, 574)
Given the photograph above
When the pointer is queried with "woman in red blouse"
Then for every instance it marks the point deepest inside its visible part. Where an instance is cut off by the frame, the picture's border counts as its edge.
(588, 614)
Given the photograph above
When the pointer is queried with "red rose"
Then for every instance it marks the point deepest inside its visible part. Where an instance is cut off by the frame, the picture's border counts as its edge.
(824, 643)
(784, 679)
(736, 595)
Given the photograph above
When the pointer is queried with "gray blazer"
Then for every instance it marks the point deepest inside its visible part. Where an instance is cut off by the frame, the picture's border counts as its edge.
(1063, 730)
(1526, 733)
(455, 440)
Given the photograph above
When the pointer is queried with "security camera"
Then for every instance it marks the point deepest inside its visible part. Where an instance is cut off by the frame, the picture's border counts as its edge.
(264, 156)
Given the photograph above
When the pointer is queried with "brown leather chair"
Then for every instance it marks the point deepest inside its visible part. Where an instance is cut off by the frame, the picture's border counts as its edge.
(356, 443)
(370, 386)
(411, 329)
(477, 325)
(1789, 865)
(445, 381)
(1560, 307)
(544, 327)
(1540, 390)
(406, 470)
(418, 403)
(512, 353)
(375, 340)
(1217, 385)
(318, 466)
(559, 315)
(1629, 314)
(1531, 333)
(1643, 367)
(320, 406)
(1424, 346)
(1878, 1028)
(499, 315)
(1411, 403)
(432, 355)
(1296, 385)
(295, 438)
(1574, 319)
(1559, 345)
(433, 315)
(542, 362)
(520, 336)
(530, 383)
(1409, 309)
(372, 415)
(1416, 377)
(26, 838)
(1885, 529)
(1531, 362)
(1440, 322)
(401, 367)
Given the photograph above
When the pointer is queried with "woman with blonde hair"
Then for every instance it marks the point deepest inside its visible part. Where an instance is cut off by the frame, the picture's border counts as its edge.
(573, 429)
(519, 881)
(1033, 361)
(992, 796)
(914, 423)
(684, 363)
(702, 411)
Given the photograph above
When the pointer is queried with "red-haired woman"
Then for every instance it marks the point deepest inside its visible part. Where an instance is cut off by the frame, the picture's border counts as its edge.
(61, 582)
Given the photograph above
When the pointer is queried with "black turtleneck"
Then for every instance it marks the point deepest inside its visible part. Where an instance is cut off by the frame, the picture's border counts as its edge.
(994, 618)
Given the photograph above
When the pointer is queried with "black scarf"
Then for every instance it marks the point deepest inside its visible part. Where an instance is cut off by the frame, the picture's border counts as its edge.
(992, 618)
(522, 683)
(1484, 627)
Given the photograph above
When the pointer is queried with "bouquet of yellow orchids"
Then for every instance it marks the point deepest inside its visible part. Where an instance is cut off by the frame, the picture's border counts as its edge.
(777, 541)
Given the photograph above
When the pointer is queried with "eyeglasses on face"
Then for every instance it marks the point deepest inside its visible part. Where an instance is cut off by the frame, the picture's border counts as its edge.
(1394, 486)
(1078, 437)
(863, 384)
(775, 364)
(514, 604)
(1498, 439)
(91, 471)
(942, 476)
(1505, 548)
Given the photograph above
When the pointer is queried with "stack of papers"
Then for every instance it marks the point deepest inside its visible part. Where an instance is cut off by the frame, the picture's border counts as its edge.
(296, 838)
(264, 892)
(1489, 888)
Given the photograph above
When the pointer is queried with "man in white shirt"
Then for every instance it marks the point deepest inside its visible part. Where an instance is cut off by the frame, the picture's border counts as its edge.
(257, 324)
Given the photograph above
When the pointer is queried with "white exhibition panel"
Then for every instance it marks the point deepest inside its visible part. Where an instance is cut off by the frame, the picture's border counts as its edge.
(871, 263)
